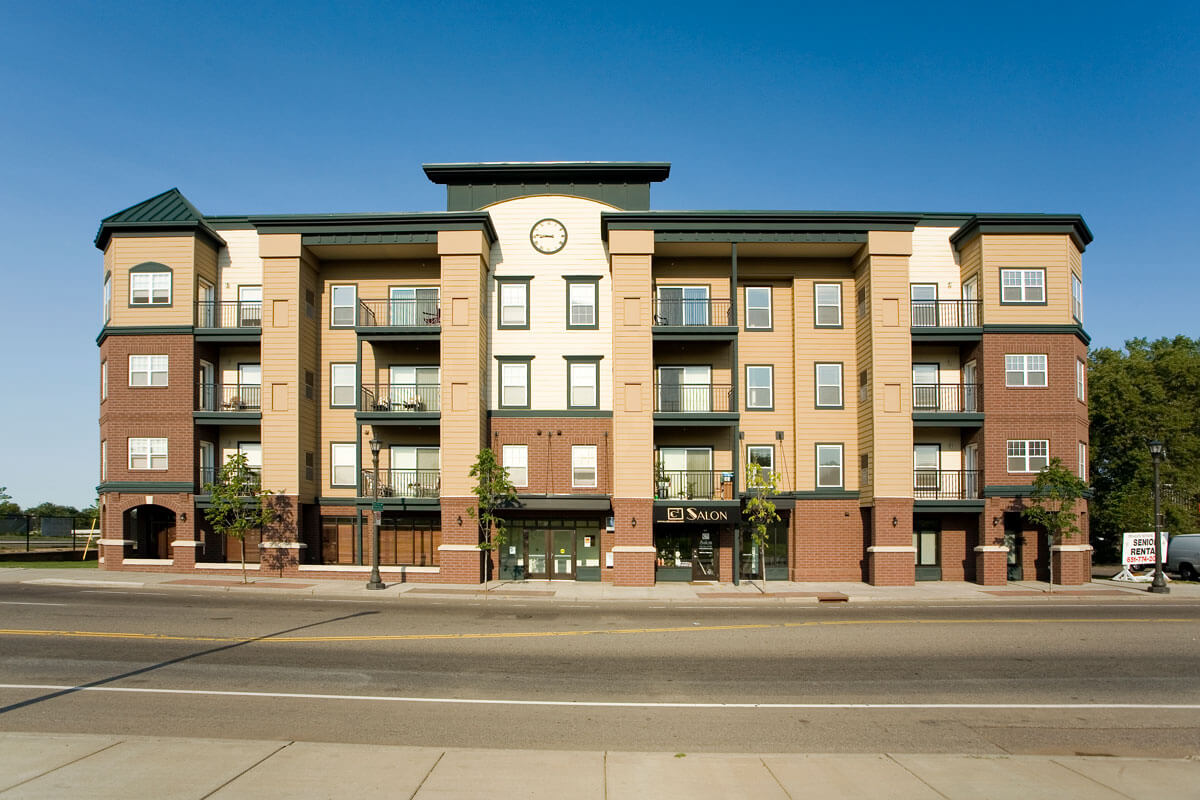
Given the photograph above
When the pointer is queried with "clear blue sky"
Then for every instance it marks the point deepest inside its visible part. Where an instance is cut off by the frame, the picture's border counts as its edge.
(1084, 108)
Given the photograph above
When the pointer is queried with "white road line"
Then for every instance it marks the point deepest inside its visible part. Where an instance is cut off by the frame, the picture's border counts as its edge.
(620, 704)
(19, 603)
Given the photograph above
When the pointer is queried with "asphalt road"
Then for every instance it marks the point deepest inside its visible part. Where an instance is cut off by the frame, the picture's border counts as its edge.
(521, 673)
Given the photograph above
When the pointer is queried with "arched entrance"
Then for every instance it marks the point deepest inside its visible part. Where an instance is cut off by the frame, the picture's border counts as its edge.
(151, 529)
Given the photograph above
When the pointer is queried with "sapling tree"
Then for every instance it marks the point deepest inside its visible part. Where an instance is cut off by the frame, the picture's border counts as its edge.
(1052, 500)
(238, 503)
(760, 512)
(494, 490)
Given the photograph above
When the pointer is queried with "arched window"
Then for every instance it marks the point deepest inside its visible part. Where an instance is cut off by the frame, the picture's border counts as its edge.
(150, 284)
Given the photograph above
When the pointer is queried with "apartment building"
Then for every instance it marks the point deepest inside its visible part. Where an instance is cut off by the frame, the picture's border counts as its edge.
(905, 375)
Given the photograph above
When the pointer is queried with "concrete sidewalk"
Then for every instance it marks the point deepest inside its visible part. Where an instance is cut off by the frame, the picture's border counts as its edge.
(34, 765)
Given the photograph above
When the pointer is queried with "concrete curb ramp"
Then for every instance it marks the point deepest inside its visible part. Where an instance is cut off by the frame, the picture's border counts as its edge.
(35, 765)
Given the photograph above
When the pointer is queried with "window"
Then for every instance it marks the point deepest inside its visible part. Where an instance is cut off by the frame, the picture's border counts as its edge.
(687, 389)
(828, 300)
(759, 394)
(310, 467)
(829, 385)
(1083, 462)
(149, 288)
(1077, 298)
(583, 465)
(344, 460)
(103, 461)
(1080, 380)
(310, 384)
(514, 303)
(1024, 370)
(147, 453)
(864, 387)
(683, 305)
(514, 384)
(583, 384)
(411, 306)
(310, 304)
(103, 380)
(1028, 455)
(107, 298)
(923, 304)
(344, 305)
(926, 394)
(147, 370)
(829, 466)
(763, 455)
(582, 311)
(758, 308)
(860, 305)
(415, 471)
(927, 460)
(864, 469)
(515, 459)
(341, 393)
(1022, 286)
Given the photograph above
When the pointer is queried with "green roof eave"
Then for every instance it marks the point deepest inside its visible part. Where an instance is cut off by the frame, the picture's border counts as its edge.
(1008, 224)
(167, 212)
(413, 223)
(508, 172)
(195, 227)
(707, 223)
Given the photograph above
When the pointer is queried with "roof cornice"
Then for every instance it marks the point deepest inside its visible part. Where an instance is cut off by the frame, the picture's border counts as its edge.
(508, 172)
(1014, 224)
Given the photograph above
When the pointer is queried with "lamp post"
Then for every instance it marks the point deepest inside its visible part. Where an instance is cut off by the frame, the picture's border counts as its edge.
(377, 513)
(1159, 584)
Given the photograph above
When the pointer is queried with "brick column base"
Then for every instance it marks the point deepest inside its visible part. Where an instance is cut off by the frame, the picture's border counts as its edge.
(633, 553)
(991, 565)
(891, 565)
(1072, 564)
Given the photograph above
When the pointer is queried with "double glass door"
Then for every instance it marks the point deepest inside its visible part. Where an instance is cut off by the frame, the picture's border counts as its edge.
(550, 554)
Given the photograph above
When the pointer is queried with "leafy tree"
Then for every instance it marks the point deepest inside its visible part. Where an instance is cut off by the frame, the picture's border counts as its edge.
(760, 511)
(6, 504)
(49, 509)
(494, 490)
(1053, 501)
(1148, 391)
(239, 504)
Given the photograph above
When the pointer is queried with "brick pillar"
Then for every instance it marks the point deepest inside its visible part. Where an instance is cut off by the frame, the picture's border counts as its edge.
(459, 557)
(891, 556)
(633, 553)
(1072, 564)
(726, 558)
(991, 565)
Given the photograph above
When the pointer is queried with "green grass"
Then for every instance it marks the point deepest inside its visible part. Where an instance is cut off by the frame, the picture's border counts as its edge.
(91, 563)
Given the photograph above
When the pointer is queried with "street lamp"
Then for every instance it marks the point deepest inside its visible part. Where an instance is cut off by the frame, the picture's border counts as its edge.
(375, 582)
(1159, 585)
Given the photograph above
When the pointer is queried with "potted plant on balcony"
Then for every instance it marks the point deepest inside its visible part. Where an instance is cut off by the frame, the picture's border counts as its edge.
(662, 483)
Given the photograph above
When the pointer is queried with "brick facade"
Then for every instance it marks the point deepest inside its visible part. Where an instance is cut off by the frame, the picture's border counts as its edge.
(549, 441)
(826, 541)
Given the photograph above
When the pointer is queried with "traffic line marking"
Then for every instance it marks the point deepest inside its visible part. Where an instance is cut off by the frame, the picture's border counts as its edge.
(615, 703)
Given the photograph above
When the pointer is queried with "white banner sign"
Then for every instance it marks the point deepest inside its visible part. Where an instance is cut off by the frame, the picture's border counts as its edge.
(1137, 549)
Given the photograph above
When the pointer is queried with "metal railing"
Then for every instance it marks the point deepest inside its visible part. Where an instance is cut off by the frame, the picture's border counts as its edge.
(210, 474)
(690, 484)
(402, 398)
(230, 397)
(693, 398)
(30, 533)
(685, 313)
(946, 313)
(946, 484)
(399, 313)
(947, 397)
(403, 482)
(229, 314)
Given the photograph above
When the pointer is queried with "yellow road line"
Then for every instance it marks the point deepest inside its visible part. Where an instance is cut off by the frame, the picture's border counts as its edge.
(409, 637)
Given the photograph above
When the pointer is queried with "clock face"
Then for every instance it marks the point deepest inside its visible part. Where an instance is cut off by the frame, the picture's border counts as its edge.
(548, 236)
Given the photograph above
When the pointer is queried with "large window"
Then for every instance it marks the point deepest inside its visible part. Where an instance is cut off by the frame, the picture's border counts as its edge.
(1080, 380)
(829, 385)
(827, 298)
(344, 306)
(1077, 298)
(927, 460)
(685, 473)
(514, 384)
(413, 306)
(829, 466)
(583, 465)
(149, 288)
(341, 383)
(758, 308)
(582, 311)
(683, 305)
(344, 461)
(759, 387)
(687, 389)
(147, 453)
(583, 384)
(1028, 455)
(1024, 370)
(1022, 286)
(147, 370)
(515, 459)
(763, 455)
(513, 298)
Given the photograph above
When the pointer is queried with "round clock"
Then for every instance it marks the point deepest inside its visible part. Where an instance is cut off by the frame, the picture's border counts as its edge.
(548, 236)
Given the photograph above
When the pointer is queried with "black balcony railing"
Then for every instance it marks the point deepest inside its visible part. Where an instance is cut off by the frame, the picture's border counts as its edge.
(947, 397)
(946, 314)
(693, 398)
(402, 398)
(230, 397)
(400, 313)
(208, 475)
(688, 313)
(690, 484)
(403, 482)
(946, 484)
(229, 314)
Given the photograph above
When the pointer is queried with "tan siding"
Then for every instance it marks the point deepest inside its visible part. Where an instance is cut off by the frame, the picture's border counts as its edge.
(178, 253)
(633, 427)
(934, 261)
(891, 365)
(463, 348)
(282, 462)
(1027, 251)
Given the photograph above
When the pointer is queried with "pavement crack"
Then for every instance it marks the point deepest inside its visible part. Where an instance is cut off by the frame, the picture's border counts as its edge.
(763, 761)
(8, 789)
(1090, 778)
(932, 788)
(247, 769)
(427, 774)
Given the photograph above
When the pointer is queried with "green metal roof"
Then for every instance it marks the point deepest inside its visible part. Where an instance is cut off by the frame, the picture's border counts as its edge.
(543, 171)
(165, 213)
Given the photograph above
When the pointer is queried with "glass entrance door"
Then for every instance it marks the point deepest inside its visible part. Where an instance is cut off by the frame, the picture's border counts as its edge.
(562, 563)
(926, 541)
(550, 554)
(704, 560)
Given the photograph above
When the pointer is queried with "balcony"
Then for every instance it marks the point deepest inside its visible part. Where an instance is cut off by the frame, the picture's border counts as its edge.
(695, 403)
(690, 319)
(209, 475)
(689, 484)
(392, 319)
(423, 484)
(947, 320)
(228, 403)
(945, 484)
(955, 404)
(400, 403)
(230, 321)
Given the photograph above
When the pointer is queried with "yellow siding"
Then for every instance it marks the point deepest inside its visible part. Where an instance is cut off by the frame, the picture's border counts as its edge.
(1027, 251)
(633, 425)
(463, 348)
(282, 462)
(178, 253)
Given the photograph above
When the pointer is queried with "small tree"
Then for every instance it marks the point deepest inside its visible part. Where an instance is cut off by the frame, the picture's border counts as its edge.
(239, 504)
(760, 511)
(494, 490)
(6, 504)
(1056, 490)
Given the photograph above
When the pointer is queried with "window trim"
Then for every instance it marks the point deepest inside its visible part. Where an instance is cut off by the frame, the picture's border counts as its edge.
(103, 460)
(501, 281)
(524, 448)
(333, 384)
(1077, 298)
(501, 362)
(149, 453)
(582, 280)
(1025, 371)
(103, 380)
(750, 460)
(595, 466)
(770, 326)
(1026, 456)
(1082, 456)
(841, 446)
(333, 465)
(817, 306)
(1023, 302)
(841, 385)
(153, 268)
(573, 361)
(770, 386)
(1080, 380)
(150, 371)
(333, 323)
(106, 298)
